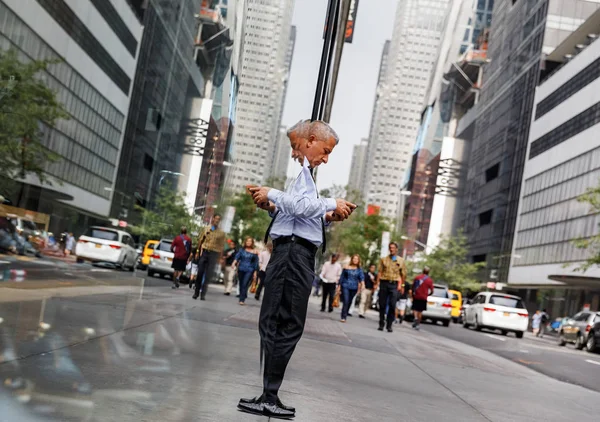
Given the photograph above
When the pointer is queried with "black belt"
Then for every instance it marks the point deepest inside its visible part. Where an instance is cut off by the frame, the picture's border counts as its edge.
(296, 239)
(389, 281)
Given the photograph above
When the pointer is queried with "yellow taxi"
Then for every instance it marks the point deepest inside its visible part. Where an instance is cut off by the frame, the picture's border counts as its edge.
(147, 253)
(456, 300)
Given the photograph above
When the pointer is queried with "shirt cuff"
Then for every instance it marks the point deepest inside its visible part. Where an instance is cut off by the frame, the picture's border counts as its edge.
(331, 204)
(273, 193)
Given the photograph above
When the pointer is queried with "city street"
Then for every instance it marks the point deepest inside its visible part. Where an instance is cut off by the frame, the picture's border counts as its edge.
(111, 345)
(541, 354)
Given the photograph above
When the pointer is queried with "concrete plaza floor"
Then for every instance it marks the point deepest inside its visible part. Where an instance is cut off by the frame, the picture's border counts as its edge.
(139, 351)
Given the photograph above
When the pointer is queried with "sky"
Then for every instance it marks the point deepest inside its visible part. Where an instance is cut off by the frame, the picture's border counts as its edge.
(355, 93)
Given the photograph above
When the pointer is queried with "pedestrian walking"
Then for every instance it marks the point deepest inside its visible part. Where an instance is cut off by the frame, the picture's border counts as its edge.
(229, 270)
(70, 244)
(263, 261)
(210, 247)
(246, 262)
(403, 295)
(297, 230)
(536, 322)
(421, 289)
(544, 323)
(330, 275)
(390, 274)
(366, 291)
(352, 277)
(181, 248)
(193, 266)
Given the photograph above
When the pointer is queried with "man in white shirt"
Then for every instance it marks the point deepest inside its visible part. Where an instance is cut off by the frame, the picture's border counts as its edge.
(330, 275)
(263, 260)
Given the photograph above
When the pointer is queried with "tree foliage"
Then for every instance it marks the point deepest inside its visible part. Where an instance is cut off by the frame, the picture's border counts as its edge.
(592, 244)
(449, 264)
(248, 220)
(166, 219)
(26, 105)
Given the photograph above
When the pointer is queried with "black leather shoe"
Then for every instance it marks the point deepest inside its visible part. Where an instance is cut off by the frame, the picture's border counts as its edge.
(361, 316)
(254, 408)
(202, 298)
(275, 411)
(380, 329)
(259, 399)
(389, 330)
(195, 297)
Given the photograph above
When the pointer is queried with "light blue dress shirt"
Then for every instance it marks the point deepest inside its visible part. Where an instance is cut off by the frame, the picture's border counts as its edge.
(300, 210)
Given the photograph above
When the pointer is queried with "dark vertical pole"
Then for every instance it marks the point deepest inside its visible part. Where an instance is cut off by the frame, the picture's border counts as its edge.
(331, 22)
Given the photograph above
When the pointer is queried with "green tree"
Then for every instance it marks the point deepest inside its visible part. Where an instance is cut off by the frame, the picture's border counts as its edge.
(26, 106)
(449, 263)
(592, 244)
(167, 217)
(248, 220)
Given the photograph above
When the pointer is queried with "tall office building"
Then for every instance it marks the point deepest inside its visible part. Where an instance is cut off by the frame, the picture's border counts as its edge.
(521, 33)
(166, 77)
(562, 162)
(417, 34)
(95, 45)
(263, 77)
(358, 165)
(281, 158)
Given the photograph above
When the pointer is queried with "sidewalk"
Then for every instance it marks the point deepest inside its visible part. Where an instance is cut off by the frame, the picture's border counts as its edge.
(158, 355)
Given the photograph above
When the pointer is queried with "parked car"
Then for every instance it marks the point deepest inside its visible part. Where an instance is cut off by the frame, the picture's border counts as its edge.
(465, 305)
(439, 305)
(456, 301)
(146, 254)
(104, 244)
(497, 311)
(161, 259)
(583, 330)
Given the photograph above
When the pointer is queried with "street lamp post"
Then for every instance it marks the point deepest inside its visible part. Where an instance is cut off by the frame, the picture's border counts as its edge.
(421, 244)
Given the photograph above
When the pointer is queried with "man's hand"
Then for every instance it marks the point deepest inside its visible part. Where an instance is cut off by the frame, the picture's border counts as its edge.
(344, 208)
(332, 216)
(260, 196)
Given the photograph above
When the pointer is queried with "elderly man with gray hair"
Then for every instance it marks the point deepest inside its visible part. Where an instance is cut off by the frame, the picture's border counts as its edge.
(297, 229)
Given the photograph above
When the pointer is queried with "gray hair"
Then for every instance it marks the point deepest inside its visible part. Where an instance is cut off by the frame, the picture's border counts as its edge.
(322, 131)
(301, 129)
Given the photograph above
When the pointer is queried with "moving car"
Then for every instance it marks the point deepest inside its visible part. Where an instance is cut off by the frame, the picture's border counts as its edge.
(583, 330)
(161, 259)
(497, 311)
(456, 301)
(439, 305)
(147, 252)
(104, 244)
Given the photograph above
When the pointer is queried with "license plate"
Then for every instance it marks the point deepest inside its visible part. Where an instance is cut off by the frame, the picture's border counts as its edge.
(98, 246)
(431, 303)
(506, 313)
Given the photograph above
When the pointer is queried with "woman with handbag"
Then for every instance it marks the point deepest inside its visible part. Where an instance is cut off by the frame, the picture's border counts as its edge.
(246, 262)
(352, 276)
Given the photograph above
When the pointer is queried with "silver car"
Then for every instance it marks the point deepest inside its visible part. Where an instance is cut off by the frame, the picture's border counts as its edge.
(439, 305)
(162, 259)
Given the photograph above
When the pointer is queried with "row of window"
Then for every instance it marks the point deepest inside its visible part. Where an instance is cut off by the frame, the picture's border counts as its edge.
(569, 88)
(550, 254)
(563, 231)
(112, 18)
(567, 130)
(33, 46)
(577, 166)
(78, 176)
(567, 190)
(553, 214)
(77, 30)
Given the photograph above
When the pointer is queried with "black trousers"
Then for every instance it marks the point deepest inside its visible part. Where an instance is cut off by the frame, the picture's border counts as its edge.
(288, 283)
(261, 283)
(206, 269)
(328, 292)
(388, 293)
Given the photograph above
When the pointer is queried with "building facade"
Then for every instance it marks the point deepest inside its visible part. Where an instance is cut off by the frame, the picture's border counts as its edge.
(166, 78)
(418, 30)
(521, 32)
(562, 162)
(358, 165)
(263, 79)
(96, 45)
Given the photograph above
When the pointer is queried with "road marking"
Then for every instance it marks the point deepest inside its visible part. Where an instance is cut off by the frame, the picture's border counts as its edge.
(97, 270)
(526, 362)
(495, 337)
(593, 361)
(4, 262)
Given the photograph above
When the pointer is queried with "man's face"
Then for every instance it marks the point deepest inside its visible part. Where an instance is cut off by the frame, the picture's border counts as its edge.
(372, 268)
(333, 259)
(317, 152)
(393, 249)
(216, 220)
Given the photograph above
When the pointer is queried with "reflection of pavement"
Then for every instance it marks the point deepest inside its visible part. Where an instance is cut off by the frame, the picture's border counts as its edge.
(145, 352)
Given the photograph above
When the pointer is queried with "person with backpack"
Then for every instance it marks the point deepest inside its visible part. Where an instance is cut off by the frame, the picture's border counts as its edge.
(422, 288)
(211, 244)
(181, 248)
